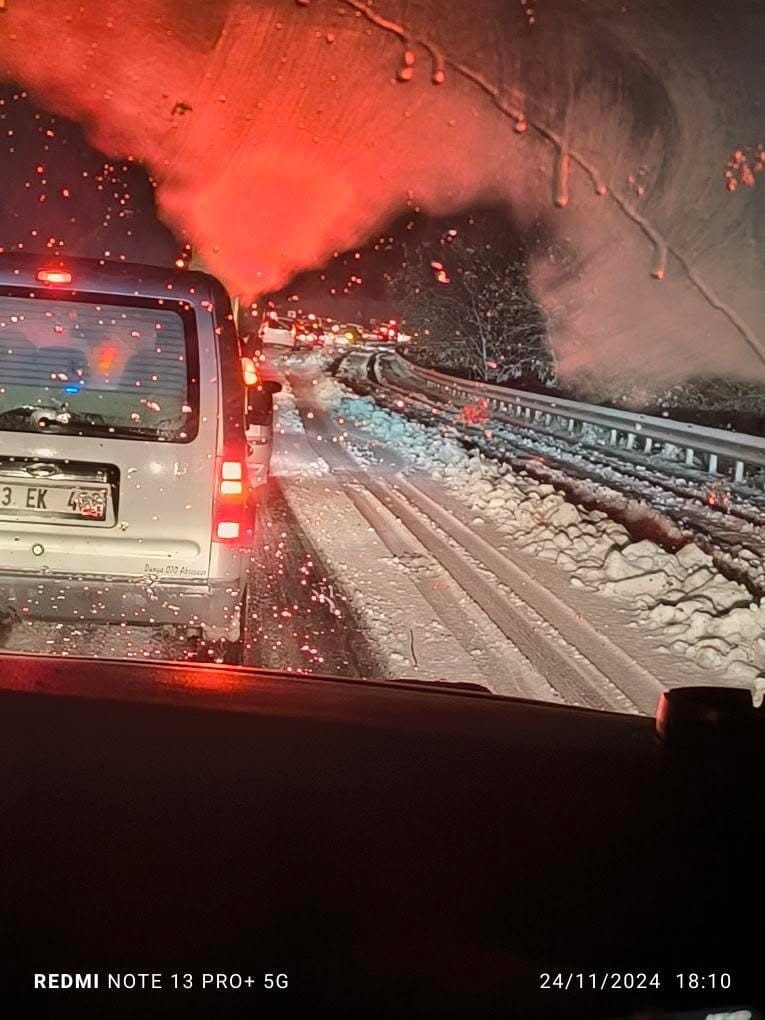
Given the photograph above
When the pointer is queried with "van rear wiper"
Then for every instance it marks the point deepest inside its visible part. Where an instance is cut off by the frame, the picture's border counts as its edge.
(16, 412)
(45, 417)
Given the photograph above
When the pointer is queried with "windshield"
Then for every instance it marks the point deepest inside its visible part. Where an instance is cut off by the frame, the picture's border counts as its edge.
(516, 439)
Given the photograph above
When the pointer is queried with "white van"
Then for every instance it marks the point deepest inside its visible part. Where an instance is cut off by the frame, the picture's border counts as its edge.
(123, 476)
(277, 333)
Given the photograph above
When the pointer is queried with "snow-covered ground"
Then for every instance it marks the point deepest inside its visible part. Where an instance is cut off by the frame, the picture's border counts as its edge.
(682, 597)
(292, 456)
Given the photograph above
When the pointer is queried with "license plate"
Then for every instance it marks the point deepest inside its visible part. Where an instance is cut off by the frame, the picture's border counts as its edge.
(69, 502)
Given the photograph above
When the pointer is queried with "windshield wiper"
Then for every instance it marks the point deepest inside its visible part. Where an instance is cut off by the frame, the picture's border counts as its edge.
(58, 419)
(454, 685)
(21, 412)
(47, 417)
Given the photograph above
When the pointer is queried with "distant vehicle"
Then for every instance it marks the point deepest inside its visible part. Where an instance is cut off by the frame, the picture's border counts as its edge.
(387, 332)
(259, 423)
(123, 461)
(350, 333)
(310, 333)
(277, 332)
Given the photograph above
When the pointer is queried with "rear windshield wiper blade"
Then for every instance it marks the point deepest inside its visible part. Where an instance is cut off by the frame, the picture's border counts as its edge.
(21, 412)
(46, 416)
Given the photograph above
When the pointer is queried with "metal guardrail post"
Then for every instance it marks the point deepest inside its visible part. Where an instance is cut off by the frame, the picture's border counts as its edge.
(712, 467)
(738, 471)
(689, 454)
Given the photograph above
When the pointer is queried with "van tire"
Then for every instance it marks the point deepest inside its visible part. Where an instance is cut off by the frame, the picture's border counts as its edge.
(233, 651)
(220, 650)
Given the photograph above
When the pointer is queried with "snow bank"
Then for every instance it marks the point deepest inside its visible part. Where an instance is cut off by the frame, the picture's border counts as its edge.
(292, 455)
(314, 360)
(286, 415)
(681, 596)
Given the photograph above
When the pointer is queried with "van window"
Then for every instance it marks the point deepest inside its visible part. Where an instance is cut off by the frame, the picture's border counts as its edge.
(98, 368)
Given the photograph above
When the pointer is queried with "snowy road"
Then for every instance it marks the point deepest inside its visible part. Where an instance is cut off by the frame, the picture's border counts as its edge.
(541, 636)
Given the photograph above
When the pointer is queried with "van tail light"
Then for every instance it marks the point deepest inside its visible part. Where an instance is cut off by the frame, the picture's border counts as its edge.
(230, 506)
(250, 372)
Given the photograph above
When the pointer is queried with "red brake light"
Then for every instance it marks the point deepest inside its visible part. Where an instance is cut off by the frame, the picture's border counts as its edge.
(230, 506)
(54, 276)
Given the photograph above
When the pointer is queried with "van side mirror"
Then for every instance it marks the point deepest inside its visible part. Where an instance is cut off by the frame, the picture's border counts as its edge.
(271, 386)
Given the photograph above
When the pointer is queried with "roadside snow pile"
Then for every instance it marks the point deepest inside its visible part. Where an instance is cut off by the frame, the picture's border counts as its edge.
(292, 453)
(316, 361)
(286, 415)
(681, 596)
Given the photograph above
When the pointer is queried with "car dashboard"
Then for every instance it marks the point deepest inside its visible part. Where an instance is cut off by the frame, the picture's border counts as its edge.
(382, 849)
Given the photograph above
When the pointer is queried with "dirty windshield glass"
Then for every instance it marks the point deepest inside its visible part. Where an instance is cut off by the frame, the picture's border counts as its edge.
(388, 341)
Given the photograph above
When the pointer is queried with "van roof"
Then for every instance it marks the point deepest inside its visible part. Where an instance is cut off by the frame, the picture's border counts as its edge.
(128, 279)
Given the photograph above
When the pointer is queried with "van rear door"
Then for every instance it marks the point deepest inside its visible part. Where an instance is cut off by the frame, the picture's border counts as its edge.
(108, 418)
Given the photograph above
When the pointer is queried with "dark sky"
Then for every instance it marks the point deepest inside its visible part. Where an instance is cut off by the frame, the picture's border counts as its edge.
(61, 195)
(335, 289)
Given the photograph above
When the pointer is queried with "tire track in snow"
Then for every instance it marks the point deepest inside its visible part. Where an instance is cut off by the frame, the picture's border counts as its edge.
(300, 620)
(506, 677)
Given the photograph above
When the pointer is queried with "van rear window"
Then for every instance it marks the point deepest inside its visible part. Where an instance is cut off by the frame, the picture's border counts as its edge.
(94, 368)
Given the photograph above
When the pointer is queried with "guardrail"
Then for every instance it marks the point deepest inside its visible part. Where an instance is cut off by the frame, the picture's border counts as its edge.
(721, 452)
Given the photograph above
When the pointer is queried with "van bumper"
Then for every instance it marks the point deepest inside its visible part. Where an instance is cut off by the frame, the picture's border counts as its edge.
(214, 607)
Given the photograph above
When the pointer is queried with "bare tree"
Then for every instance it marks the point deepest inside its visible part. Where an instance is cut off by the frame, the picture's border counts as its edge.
(470, 310)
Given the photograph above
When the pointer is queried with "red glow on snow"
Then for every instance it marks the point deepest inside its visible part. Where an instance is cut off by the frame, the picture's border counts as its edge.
(719, 496)
(474, 414)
